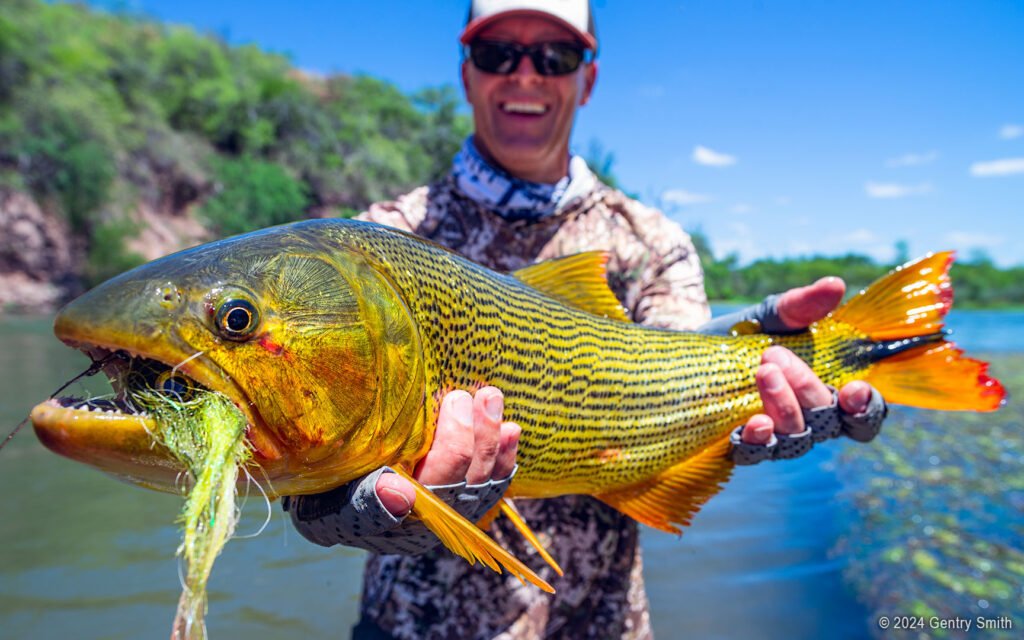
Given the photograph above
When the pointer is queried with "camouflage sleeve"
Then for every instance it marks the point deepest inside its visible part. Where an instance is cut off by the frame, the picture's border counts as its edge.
(671, 289)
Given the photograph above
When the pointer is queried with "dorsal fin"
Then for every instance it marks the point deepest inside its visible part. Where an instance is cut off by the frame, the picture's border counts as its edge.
(579, 281)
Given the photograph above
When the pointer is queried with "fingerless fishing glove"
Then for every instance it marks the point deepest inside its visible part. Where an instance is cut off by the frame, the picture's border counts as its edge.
(766, 314)
(823, 423)
(353, 515)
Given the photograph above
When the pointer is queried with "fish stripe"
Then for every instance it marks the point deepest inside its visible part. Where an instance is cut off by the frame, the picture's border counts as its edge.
(579, 385)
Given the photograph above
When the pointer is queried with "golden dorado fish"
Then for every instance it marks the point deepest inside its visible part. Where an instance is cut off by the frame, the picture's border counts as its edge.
(337, 340)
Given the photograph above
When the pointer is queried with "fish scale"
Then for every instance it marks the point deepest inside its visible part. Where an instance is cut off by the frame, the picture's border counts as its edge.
(579, 385)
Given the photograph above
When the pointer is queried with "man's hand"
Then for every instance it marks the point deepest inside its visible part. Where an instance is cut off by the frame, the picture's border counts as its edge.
(471, 443)
(786, 382)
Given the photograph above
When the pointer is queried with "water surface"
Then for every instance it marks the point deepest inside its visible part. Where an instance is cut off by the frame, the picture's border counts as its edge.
(85, 556)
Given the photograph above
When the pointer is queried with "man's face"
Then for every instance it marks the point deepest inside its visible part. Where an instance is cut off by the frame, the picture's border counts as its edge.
(523, 120)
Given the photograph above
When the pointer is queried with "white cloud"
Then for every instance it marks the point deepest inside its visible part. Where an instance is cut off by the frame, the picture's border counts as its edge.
(683, 198)
(859, 236)
(912, 159)
(1003, 167)
(709, 158)
(894, 190)
(742, 207)
(973, 239)
(1011, 131)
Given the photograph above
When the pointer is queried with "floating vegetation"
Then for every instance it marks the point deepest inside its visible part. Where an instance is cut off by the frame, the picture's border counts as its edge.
(205, 433)
(940, 531)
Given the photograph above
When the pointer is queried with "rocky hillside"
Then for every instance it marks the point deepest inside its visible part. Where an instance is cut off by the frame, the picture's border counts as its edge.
(38, 258)
(122, 139)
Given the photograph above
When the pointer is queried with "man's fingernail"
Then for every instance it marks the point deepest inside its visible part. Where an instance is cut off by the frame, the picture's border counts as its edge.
(494, 405)
(462, 409)
(406, 507)
(763, 433)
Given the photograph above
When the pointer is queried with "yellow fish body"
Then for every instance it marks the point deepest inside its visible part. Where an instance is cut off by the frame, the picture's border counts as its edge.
(337, 340)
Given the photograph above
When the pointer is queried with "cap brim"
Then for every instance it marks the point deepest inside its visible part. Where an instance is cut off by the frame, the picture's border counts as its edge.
(474, 27)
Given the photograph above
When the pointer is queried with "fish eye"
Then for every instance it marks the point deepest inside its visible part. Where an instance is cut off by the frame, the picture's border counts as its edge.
(237, 319)
(175, 384)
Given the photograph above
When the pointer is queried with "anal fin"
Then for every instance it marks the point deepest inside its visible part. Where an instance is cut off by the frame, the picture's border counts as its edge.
(464, 539)
(673, 496)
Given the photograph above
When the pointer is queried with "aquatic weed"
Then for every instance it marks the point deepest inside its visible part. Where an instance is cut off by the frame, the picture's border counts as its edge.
(939, 498)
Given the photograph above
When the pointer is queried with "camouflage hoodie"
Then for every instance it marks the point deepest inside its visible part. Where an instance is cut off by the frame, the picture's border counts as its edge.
(654, 270)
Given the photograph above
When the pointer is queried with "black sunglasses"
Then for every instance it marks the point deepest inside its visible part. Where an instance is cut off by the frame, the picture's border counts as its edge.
(548, 58)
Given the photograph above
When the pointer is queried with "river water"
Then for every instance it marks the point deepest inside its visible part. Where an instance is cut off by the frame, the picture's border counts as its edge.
(85, 556)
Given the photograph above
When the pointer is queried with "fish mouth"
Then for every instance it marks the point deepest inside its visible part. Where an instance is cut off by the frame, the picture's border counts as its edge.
(115, 433)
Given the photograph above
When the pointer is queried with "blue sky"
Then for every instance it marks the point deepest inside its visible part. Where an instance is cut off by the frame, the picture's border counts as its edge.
(778, 128)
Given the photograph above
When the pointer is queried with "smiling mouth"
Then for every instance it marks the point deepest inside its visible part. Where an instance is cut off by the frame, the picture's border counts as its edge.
(524, 108)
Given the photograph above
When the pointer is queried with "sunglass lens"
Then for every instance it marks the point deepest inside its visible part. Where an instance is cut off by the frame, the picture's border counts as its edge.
(494, 57)
(549, 59)
(556, 59)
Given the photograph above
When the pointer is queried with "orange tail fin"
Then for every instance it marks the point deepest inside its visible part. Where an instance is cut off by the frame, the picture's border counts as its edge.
(906, 306)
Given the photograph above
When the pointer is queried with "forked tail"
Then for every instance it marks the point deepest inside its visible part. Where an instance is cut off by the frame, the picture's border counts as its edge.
(891, 334)
(905, 354)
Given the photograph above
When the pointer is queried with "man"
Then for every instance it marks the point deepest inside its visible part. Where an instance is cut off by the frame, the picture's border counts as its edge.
(515, 196)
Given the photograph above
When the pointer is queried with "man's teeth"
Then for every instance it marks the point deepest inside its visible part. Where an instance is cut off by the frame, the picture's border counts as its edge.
(524, 107)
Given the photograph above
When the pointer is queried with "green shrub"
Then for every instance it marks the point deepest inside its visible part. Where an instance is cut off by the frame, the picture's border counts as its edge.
(252, 194)
(61, 158)
(108, 255)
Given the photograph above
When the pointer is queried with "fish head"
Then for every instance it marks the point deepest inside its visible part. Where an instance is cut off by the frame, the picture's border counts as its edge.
(309, 339)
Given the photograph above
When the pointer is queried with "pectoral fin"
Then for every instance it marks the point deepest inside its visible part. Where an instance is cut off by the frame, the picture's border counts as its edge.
(492, 514)
(506, 507)
(464, 539)
(676, 494)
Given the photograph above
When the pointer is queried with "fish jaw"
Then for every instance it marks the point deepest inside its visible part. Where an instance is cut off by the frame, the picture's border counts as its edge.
(117, 443)
(110, 436)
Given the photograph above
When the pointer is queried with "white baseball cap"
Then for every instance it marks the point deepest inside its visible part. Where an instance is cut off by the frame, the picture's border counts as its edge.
(575, 15)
